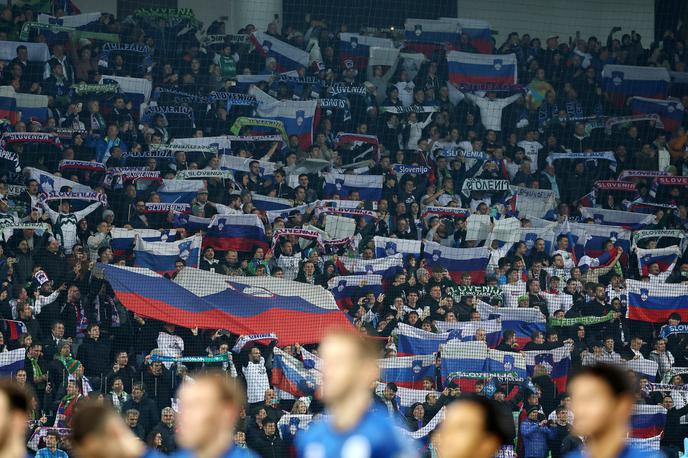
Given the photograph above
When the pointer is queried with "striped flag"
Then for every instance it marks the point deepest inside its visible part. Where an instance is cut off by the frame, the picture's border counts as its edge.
(176, 191)
(480, 33)
(12, 361)
(670, 111)
(138, 90)
(291, 376)
(298, 117)
(369, 187)
(644, 368)
(14, 329)
(386, 267)
(407, 371)
(356, 48)
(414, 341)
(589, 239)
(653, 302)
(557, 362)
(388, 246)
(523, 321)
(288, 57)
(628, 220)
(123, 239)
(427, 36)
(267, 203)
(499, 69)
(161, 257)
(506, 361)
(463, 357)
(665, 257)
(236, 232)
(468, 330)
(647, 421)
(347, 288)
(622, 81)
(405, 397)
(458, 260)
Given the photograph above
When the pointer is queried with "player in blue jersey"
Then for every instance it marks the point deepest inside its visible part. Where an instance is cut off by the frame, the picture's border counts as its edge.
(351, 428)
(474, 427)
(602, 398)
(208, 413)
(14, 414)
(99, 432)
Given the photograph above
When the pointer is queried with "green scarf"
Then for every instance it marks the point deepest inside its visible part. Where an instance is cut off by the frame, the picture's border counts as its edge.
(244, 121)
(585, 320)
(37, 371)
(70, 364)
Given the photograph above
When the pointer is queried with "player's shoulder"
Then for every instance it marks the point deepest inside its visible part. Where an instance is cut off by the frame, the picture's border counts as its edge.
(234, 452)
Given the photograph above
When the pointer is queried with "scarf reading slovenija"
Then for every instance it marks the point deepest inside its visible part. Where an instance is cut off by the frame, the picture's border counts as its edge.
(296, 232)
(174, 15)
(87, 89)
(90, 196)
(584, 320)
(31, 137)
(143, 50)
(502, 376)
(459, 292)
(68, 164)
(162, 207)
(190, 174)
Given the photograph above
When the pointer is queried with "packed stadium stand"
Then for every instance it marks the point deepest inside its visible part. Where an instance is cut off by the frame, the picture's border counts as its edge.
(495, 209)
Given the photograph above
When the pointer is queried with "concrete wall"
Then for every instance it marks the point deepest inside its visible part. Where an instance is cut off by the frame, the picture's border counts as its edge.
(543, 18)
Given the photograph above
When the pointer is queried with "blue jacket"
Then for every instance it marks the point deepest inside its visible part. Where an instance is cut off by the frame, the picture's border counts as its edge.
(535, 438)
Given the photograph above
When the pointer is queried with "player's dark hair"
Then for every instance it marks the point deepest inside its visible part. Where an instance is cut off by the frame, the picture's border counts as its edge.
(16, 395)
(498, 420)
(89, 419)
(617, 380)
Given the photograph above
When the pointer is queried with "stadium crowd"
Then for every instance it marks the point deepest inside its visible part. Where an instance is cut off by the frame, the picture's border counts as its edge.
(426, 137)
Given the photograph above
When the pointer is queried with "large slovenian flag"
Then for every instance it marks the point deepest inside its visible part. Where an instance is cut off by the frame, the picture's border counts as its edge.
(628, 220)
(468, 329)
(644, 368)
(288, 57)
(123, 239)
(236, 232)
(369, 187)
(670, 111)
(388, 246)
(8, 104)
(427, 36)
(665, 257)
(241, 305)
(291, 376)
(647, 421)
(622, 81)
(385, 267)
(557, 361)
(414, 341)
(179, 191)
(160, 257)
(500, 69)
(12, 361)
(356, 48)
(346, 288)
(459, 260)
(407, 371)
(524, 321)
(653, 302)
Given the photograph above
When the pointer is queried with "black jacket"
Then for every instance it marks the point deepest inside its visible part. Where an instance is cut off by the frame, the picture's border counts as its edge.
(269, 446)
(148, 412)
(95, 356)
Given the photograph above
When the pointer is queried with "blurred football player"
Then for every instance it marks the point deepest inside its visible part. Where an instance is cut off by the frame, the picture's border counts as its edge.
(473, 427)
(351, 427)
(208, 413)
(602, 398)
